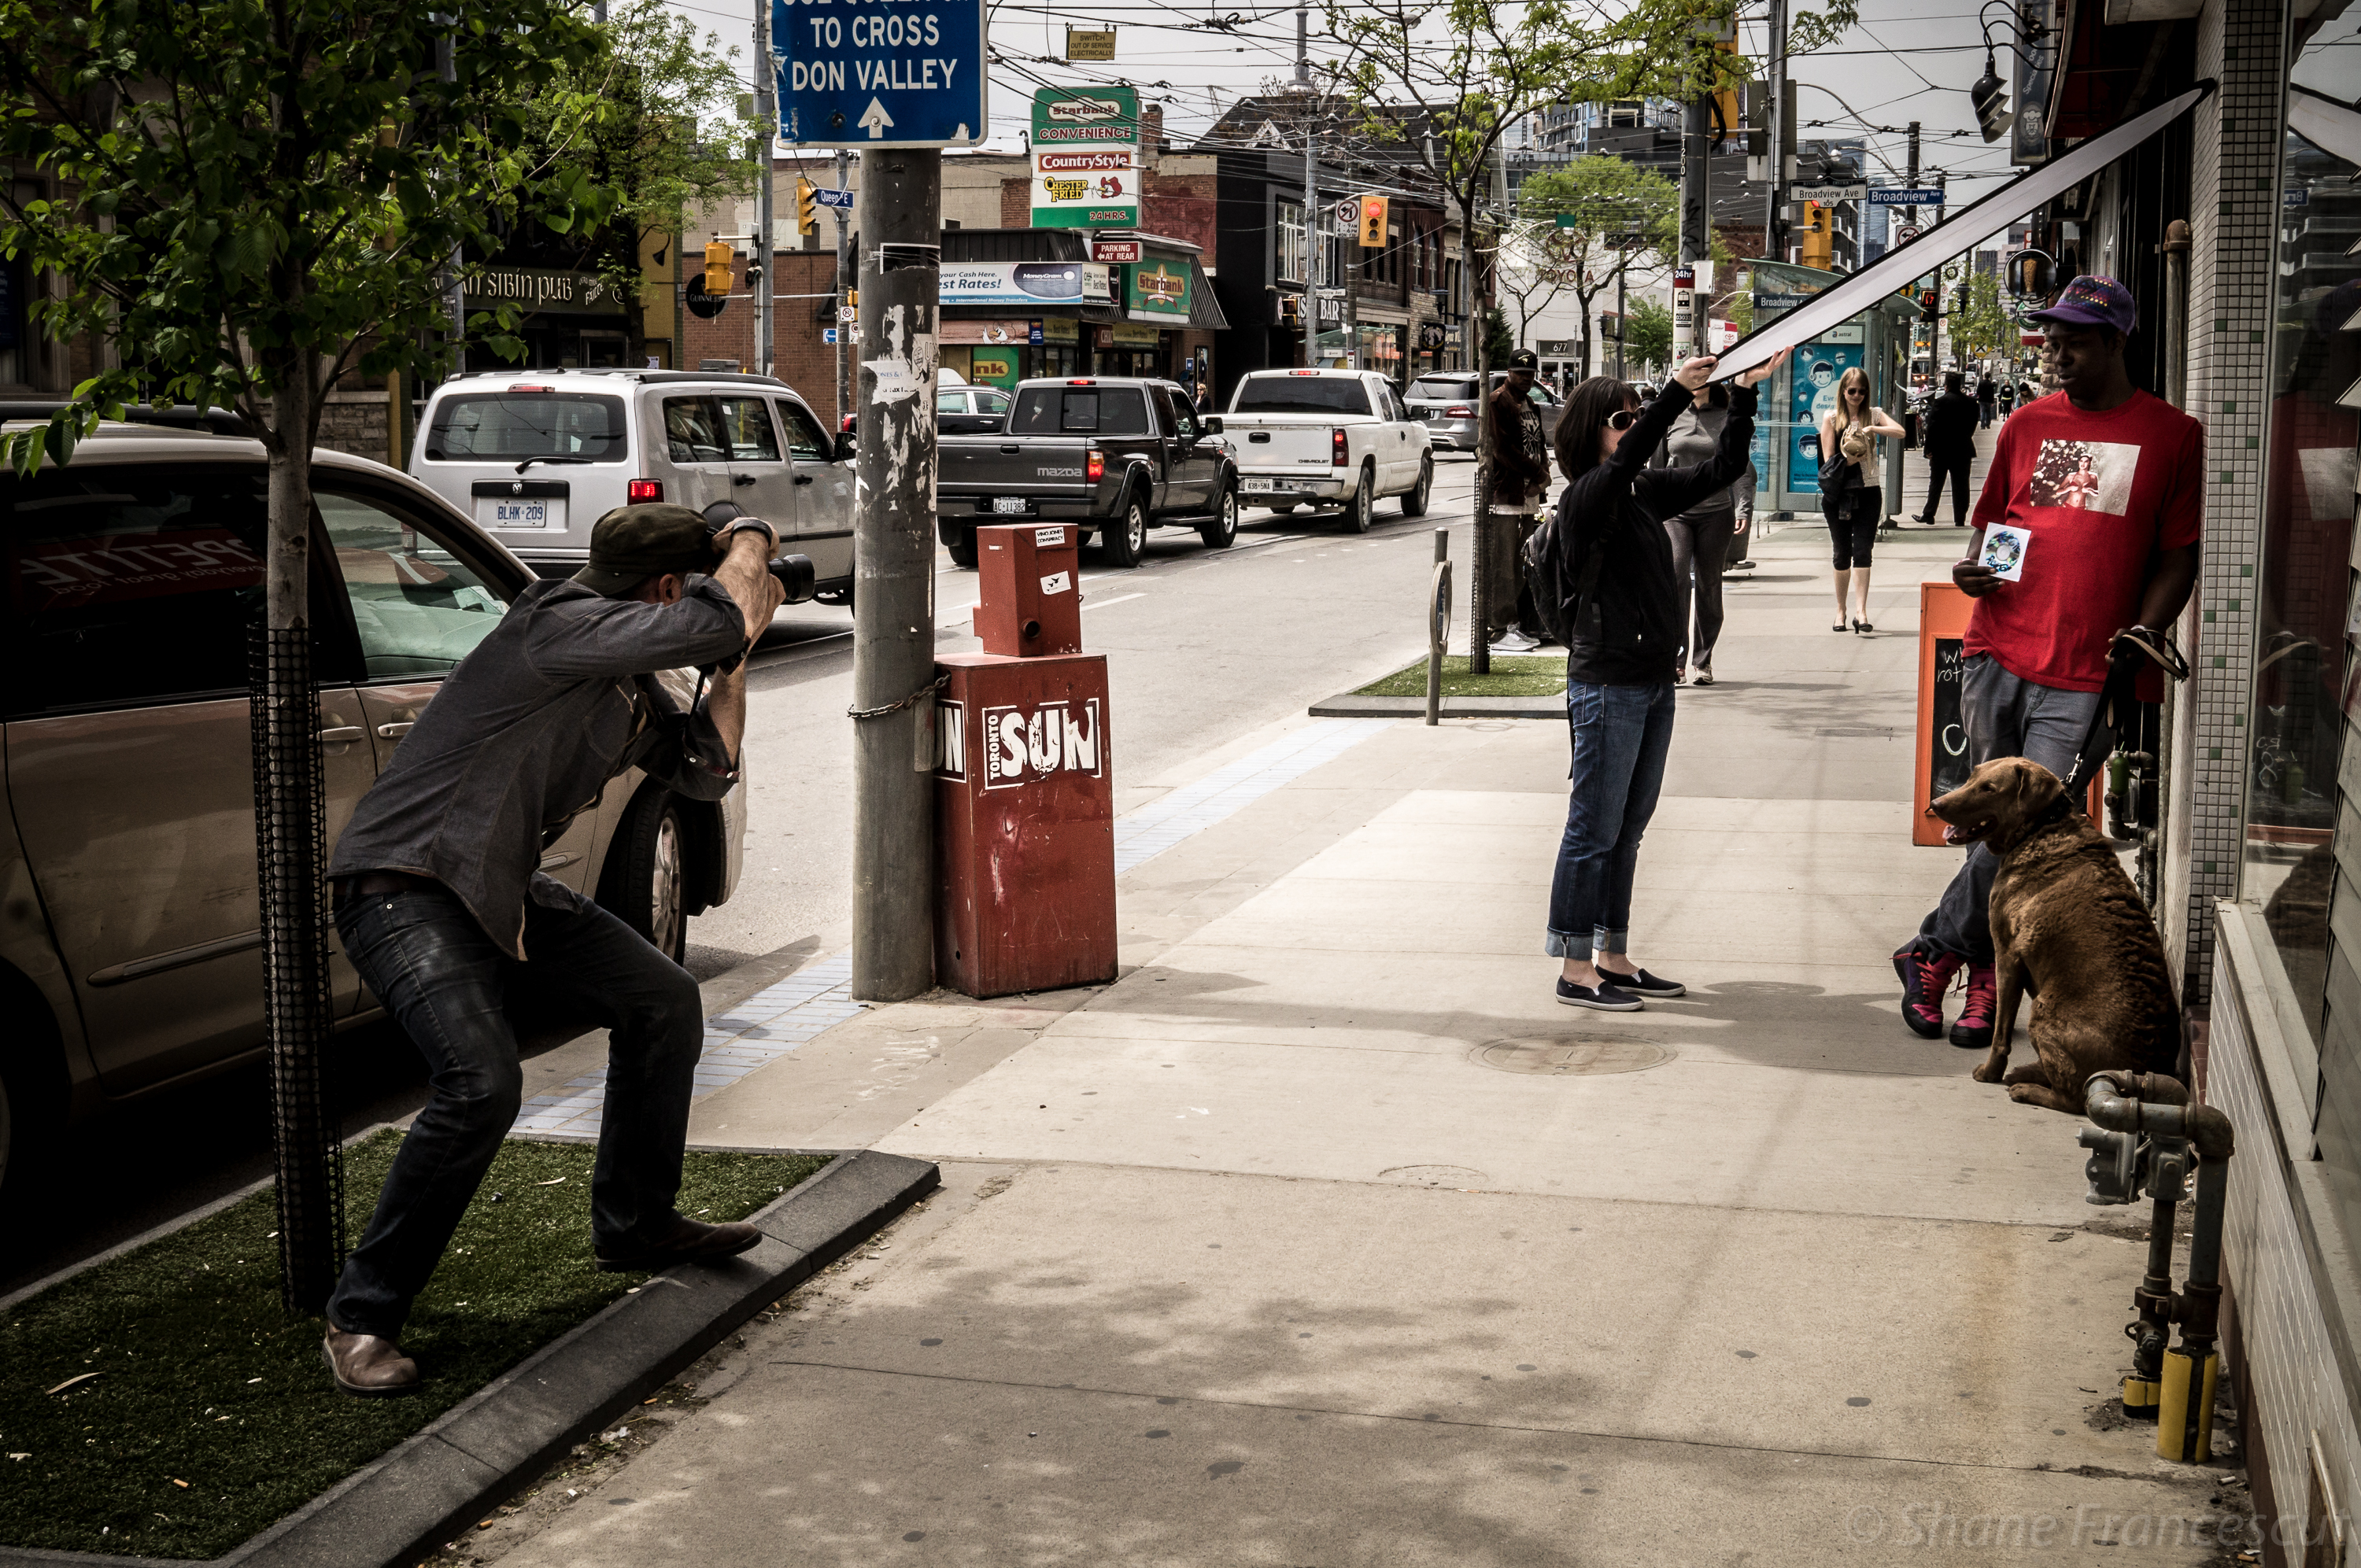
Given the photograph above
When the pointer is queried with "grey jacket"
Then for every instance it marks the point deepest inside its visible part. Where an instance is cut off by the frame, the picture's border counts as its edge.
(1694, 437)
(527, 731)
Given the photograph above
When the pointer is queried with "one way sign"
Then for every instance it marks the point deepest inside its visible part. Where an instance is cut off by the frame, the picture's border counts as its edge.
(910, 74)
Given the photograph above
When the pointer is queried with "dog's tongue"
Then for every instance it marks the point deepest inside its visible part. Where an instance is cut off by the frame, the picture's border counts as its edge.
(1952, 834)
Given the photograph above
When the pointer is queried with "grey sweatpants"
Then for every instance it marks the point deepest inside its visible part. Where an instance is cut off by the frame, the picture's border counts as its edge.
(2005, 716)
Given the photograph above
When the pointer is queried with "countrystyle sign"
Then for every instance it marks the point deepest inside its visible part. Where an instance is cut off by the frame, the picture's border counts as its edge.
(1086, 164)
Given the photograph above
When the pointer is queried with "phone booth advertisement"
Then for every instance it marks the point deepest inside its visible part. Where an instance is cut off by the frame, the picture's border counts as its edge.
(1024, 824)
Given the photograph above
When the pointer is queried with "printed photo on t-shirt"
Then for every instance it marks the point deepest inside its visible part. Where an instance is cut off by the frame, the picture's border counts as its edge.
(2085, 476)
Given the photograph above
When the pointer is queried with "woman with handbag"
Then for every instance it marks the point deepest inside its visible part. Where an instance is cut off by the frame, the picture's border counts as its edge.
(1853, 505)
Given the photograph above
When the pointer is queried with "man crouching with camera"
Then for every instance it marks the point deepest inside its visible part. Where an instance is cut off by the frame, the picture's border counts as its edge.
(442, 911)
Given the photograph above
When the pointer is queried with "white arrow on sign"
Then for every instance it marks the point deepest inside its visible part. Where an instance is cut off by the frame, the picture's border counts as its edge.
(875, 120)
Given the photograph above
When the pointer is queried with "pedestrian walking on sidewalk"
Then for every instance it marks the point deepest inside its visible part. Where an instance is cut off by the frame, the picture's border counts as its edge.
(1604, 564)
(2007, 399)
(1950, 441)
(1855, 508)
(1520, 485)
(1986, 395)
(1701, 536)
(2104, 485)
(441, 910)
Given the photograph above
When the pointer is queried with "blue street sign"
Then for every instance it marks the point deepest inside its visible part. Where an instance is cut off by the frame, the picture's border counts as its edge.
(855, 74)
(1907, 196)
(827, 198)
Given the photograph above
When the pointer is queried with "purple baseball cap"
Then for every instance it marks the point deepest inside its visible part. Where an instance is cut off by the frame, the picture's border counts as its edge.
(2093, 302)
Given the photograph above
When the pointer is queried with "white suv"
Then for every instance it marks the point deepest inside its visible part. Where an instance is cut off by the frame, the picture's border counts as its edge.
(537, 456)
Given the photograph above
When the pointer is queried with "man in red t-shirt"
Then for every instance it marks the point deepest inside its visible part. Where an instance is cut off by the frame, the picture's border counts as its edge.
(2104, 485)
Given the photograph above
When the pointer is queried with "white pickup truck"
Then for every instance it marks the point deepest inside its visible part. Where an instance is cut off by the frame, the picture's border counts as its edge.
(1332, 437)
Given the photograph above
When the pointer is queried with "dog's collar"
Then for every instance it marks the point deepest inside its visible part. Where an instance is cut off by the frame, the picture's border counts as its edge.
(2049, 816)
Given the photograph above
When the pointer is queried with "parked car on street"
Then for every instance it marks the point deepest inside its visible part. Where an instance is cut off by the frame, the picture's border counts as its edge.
(130, 943)
(1338, 438)
(1448, 405)
(537, 456)
(970, 401)
(1116, 455)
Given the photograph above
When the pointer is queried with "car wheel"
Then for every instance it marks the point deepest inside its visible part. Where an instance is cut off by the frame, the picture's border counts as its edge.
(1223, 532)
(1414, 503)
(1360, 507)
(962, 549)
(645, 884)
(1124, 538)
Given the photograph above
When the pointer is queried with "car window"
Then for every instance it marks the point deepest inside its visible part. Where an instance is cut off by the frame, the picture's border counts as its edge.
(693, 431)
(1443, 388)
(419, 609)
(1542, 396)
(1084, 410)
(130, 584)
(1293, 394)
(990, 402)
(806, 441)
(479, 427)
(747, 421)
(1184, 418)
(950, 402)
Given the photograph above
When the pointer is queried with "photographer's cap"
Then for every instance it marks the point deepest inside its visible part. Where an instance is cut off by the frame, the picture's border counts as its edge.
(1524, 360)
(2093, 302)
(633, 543)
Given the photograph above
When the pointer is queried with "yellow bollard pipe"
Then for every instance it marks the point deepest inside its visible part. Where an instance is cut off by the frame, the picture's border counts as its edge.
(2184, 1427)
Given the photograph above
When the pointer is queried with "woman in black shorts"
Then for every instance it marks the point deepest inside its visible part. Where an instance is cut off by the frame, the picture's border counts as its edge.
(1853, 505)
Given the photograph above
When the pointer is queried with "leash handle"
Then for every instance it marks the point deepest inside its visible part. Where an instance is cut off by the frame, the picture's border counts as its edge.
(2122, 679)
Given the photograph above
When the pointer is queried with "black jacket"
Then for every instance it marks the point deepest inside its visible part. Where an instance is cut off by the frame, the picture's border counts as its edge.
(1630, 629)
(1951, 426)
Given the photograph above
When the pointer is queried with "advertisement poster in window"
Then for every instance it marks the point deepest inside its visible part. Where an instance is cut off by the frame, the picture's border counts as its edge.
(1812, 394)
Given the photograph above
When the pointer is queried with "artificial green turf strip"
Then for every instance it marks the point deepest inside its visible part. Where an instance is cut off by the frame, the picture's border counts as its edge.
(1513, 674)
(202, 1379)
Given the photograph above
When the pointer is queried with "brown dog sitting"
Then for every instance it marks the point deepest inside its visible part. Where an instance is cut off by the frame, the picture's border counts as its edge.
(2069, 930)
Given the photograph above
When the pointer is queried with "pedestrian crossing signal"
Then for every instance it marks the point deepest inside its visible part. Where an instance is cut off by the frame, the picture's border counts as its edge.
(1373, 223)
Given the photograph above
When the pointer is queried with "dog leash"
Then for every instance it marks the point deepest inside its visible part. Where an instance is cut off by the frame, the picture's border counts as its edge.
(2125, 652)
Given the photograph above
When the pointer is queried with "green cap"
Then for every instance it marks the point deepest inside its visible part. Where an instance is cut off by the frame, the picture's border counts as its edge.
(633, 543)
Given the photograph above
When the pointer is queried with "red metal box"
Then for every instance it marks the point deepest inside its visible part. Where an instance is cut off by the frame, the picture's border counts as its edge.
(1024, 824)
(1029, 580)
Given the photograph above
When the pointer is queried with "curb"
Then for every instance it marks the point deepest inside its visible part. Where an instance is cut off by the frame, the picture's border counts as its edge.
(1347, 705)
(407, 1501)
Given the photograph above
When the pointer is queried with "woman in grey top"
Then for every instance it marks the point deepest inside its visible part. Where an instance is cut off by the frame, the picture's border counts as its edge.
(1700, 536)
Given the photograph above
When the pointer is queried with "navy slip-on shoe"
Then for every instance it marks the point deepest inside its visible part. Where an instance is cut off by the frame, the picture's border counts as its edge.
(1604, 997)
(1643, 983)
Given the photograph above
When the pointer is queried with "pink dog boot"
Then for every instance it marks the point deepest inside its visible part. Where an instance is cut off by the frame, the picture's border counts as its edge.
(1973, 1031)
(1925, 977)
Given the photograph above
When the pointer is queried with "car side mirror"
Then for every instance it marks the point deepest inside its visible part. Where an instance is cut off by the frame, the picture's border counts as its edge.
(1212, 424)
(848, 446)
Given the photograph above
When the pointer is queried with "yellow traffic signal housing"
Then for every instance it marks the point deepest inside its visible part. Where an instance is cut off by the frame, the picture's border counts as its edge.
(806, 210)
(1373, 223)
(716, 266)
(1817, 236)
(1728, 74)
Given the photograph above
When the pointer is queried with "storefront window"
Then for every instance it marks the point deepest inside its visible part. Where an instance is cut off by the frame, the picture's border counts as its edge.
(1287, 264)
(2302, 852)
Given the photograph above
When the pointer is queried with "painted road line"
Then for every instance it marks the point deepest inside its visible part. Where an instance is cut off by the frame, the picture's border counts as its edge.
(1102, 604)
(818, 996)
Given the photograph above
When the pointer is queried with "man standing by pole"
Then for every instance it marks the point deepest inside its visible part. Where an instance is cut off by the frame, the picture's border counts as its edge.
(900, 238)
(1520, 485)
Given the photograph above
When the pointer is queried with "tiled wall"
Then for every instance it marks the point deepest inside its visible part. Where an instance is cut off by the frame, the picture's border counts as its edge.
(2233, 211)
(2287, 1364)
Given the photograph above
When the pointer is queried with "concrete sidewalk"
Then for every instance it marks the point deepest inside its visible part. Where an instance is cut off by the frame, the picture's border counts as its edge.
(1324, 1235)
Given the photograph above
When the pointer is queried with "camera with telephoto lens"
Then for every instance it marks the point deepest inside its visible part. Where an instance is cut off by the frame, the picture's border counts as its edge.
(794, 571)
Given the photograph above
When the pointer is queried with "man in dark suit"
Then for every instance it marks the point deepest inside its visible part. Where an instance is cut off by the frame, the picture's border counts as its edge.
(1950, 441)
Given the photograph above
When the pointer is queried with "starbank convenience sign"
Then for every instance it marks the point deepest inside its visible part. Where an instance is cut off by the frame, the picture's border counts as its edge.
(1086, 164)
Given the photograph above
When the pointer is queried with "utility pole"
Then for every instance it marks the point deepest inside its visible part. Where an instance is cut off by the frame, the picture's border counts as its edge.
(843, 284)
(766, 115)
(1311, 247)
(894, 601)
(1782, 135)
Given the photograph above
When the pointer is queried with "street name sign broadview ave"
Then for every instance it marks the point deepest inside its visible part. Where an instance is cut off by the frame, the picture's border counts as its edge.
(909, 75)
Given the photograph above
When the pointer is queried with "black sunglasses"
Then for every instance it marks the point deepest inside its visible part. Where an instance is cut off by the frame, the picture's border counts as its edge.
(1621, 418)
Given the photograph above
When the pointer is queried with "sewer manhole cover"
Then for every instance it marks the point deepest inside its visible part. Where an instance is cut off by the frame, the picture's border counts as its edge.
(1433, 1175)
(1570, 1059)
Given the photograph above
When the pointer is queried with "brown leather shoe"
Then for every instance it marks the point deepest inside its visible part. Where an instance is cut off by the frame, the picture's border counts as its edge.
(688, 1241)
(368, 1366)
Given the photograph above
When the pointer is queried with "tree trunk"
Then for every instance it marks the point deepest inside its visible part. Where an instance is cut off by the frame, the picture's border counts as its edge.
(290, 819)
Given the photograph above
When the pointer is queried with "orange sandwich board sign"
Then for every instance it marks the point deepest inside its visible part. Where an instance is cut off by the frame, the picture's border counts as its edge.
(1943, 762)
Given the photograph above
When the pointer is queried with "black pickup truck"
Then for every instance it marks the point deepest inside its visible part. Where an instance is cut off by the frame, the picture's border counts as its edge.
(1116, 455)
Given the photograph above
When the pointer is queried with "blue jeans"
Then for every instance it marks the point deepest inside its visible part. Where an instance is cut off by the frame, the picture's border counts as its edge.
(2005, 716)
(1622, 737)
(441, 979)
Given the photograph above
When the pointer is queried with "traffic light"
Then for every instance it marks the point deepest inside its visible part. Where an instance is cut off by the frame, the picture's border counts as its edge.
(1373, 223)
(716, 266)
(1817, 236)
(2029, 273)
(1990, 102)
(1930, 305)
(806, 210)
(1728, 75)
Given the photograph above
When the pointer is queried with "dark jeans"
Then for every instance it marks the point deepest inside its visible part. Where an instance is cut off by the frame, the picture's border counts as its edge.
(1701, 540)
(1853, 531)
(1622, 737)
(1956, 468)
(428, 962)
(2005, 716)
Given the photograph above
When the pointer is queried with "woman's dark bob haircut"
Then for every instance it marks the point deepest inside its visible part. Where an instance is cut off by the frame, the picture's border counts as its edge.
(1586, 414)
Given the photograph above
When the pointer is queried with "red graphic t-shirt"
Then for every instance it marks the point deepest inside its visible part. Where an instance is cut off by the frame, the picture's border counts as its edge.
(2098, 494)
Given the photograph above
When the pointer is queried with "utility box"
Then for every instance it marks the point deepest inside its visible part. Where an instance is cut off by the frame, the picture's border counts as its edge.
(1024, 819)
(1029, 580)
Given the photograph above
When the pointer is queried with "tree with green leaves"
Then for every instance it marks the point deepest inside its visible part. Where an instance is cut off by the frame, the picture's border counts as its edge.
(1624, 223)
(1982, 328)
(1648, 333)
(250, 200)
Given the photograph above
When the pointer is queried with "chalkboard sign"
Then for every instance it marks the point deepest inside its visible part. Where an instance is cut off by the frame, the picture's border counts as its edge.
(1946, 736)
